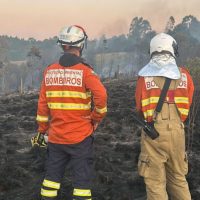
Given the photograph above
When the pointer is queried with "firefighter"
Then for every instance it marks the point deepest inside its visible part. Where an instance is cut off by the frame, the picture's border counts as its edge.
(64, 112)
(163, 162)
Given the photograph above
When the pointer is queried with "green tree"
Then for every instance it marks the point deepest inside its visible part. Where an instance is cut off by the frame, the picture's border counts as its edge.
(170, 25)
(139, 28)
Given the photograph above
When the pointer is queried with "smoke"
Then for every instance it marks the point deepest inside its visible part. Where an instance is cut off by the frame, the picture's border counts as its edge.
(159, 11)
(120, 26)
(105, 17)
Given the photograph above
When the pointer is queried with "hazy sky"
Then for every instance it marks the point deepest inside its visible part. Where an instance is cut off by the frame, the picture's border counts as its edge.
(44, 18)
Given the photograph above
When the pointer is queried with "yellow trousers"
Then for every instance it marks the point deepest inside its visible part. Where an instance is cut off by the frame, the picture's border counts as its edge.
(163, 162)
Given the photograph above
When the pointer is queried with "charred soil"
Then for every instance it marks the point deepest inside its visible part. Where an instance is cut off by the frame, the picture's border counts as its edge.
(117, 146)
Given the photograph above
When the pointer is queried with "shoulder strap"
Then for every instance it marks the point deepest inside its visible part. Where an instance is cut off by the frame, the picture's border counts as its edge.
(163, 95)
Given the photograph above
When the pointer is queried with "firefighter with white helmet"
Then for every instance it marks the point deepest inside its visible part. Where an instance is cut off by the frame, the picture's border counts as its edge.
(163, 161)
(73, 36)
(164, 43)
(65, 112)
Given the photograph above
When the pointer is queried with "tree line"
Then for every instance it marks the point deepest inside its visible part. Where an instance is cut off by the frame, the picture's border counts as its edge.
(22, 61)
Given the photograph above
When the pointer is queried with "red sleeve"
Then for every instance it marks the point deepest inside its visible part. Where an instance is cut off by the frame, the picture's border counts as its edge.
(190, 84)
(43, 110)
(93, 83)
(190, 88)
(138, 93)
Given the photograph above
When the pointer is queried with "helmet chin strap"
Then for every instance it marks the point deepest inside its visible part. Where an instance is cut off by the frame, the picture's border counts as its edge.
(84, 45)
(81, 50)
(175, 47)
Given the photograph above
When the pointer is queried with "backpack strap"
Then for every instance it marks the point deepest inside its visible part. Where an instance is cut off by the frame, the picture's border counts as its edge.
(162, 96)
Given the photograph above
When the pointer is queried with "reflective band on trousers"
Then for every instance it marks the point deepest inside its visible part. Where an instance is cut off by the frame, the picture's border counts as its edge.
(49, 193)
(181, 100)
(84, 199)
(51, 184)
(150, 100)
(42, 118)
(71, 94)
(101, 110)
(69, 106)
(82, 192)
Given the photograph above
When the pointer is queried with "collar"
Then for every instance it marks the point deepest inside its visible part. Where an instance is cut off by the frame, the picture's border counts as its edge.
(68, 60)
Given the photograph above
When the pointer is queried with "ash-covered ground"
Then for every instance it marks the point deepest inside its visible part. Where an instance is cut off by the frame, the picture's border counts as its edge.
(116, 143)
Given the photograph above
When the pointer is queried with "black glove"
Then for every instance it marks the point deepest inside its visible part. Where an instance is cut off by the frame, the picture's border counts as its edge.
(38, 140)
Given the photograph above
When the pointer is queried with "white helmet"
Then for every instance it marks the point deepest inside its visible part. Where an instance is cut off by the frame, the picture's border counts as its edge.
(74, 36)
(164, 43)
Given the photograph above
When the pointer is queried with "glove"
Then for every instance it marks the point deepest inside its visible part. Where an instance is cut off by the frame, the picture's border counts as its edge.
(39, 140)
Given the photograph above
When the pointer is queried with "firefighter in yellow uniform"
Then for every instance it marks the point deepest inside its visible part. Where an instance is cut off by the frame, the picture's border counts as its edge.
(163, 161)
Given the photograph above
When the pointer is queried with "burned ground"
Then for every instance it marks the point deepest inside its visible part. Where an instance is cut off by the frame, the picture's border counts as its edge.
(116, 150)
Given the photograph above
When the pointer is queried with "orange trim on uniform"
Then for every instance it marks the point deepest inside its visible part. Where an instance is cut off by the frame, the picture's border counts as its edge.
(65, 96)
(147, 97)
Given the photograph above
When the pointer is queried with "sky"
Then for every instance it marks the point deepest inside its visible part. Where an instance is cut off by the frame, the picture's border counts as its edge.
(43, 19)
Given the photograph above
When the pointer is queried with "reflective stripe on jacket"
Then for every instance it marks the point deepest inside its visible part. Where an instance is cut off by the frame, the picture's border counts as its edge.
(148, 93)
(65, 100)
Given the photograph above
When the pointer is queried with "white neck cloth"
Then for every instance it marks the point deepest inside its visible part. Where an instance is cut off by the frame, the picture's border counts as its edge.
(161, 65)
